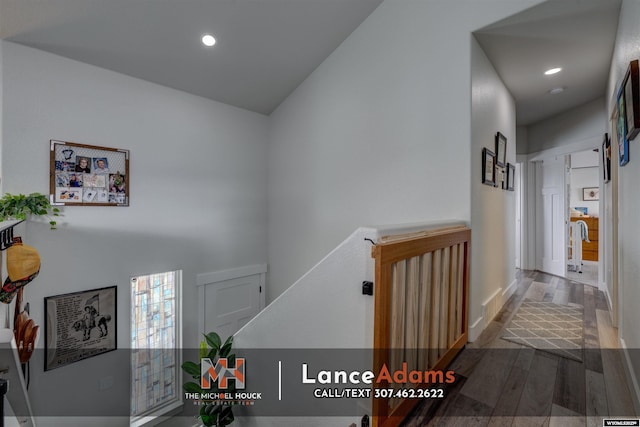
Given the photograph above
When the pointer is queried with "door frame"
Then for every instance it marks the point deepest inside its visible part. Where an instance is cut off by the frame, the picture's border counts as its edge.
(531, 201)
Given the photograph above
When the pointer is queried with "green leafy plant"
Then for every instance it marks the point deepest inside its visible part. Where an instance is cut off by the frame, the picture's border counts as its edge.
(18, 206)
(212, 347)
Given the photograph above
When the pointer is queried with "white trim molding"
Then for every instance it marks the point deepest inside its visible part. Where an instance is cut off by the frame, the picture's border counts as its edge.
(234, 273)
(628, 367)
(510, 290)
(476, 329)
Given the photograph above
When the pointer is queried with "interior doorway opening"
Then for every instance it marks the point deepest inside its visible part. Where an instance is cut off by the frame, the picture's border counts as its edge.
(583, 184)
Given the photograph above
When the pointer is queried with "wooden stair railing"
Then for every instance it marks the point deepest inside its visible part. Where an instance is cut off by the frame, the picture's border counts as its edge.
(421, 311)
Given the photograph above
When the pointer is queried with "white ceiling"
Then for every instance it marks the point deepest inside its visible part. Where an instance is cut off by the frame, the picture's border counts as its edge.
(265, 48)
(577, 35)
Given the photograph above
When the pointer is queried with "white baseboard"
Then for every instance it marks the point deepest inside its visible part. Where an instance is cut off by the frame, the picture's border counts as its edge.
(628, 367)
(608, 298)
(490, 309)
(510, 290)
(476, 329)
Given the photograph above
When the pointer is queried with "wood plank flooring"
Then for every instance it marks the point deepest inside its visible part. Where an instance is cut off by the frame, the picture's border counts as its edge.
(505, 384)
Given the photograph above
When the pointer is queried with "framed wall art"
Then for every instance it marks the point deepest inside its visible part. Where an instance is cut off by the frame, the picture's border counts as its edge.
(632, 100)
(621, 130)
(501, 149)
(488, 166)
(79, 325)
(511, 177)
(606, 158)
(87, 175)
(500, 177)
(590, 193)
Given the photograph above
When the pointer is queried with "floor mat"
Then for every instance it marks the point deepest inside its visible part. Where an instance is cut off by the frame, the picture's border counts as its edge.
(557, 329)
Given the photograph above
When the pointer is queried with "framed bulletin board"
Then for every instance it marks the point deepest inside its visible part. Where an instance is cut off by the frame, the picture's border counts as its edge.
(86, 175)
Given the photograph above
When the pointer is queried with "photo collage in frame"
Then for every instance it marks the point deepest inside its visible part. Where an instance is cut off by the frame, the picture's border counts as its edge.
(89, 175)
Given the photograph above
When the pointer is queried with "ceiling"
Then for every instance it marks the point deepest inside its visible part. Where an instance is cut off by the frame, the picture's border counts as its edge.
(577, 35)
(264, 50)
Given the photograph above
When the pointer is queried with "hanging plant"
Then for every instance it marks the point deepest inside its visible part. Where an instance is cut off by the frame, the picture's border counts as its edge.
(20, 206)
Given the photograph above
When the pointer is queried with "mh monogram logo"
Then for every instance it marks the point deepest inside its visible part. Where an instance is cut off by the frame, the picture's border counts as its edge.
(221, 372)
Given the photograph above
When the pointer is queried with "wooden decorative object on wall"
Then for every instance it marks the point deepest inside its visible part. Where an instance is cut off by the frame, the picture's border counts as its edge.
(631, 85)
(86, 175)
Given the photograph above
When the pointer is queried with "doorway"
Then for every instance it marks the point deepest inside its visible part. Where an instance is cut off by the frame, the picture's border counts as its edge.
(583, 178)
(567, 215)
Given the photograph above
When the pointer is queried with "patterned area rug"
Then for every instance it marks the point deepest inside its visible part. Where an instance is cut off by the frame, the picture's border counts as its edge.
(558, 329)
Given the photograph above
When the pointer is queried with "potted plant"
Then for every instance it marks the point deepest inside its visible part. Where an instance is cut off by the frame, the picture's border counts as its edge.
(211, 414)
(20, 206)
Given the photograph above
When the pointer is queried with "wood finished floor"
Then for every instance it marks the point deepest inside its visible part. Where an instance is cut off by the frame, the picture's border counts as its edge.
(521, 386)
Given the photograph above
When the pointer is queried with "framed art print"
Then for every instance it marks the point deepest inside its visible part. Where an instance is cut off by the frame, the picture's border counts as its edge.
(501, 149)
(621, 130)
(79, 325)
(511, 177)
(606, 158)
(488, 167)
(591, 194)
(632, 100)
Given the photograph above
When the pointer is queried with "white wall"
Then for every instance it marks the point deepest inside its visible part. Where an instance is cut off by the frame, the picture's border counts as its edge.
(585, 173)
(522, 138)
(492, 209)
(584, 178)
(626, 49)
(1, 118)
(580, 128)
(379, 133)
(198, 197)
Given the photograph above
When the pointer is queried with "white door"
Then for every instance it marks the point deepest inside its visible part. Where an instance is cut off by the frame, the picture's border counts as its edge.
(230, 304)
(553, 216)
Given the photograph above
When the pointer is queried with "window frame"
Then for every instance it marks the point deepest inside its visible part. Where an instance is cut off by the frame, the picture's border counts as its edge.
(160, 413)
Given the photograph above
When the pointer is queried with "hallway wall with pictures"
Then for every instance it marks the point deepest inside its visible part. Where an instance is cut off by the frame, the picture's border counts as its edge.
(628, 199)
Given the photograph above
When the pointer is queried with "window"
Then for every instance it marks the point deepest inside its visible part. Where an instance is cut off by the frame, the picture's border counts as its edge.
(155, 346)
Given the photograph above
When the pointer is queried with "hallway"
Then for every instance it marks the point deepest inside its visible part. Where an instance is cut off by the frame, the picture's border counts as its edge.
(505, 384)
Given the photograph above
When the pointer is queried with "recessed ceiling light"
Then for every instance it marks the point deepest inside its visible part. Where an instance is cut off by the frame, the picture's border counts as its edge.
(552, 71)
(208, 40)
(556, 90)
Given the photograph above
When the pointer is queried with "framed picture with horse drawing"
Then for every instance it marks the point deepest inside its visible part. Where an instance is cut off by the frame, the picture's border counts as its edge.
(79, 325)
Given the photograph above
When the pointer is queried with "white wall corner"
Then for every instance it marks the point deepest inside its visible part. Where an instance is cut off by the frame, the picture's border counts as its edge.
(476, 329)
(628, 367)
